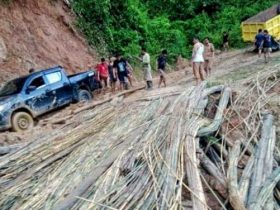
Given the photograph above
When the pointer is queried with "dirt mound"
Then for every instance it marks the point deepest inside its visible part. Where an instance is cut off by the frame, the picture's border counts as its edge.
(40, 34)
(182, 63)
(265, 15)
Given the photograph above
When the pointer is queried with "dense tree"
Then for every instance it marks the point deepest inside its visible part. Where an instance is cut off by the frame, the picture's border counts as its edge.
(125, 25)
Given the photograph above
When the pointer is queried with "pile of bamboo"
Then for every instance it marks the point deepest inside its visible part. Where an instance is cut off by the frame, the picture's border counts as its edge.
(257, 187)
(151, 154)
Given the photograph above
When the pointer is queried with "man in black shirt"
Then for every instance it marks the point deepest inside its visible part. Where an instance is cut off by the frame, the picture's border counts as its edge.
(120, 65)
(161, 62)
(225, 41)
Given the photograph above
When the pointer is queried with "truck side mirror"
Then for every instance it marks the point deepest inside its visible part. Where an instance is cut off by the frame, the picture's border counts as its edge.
(30, 89)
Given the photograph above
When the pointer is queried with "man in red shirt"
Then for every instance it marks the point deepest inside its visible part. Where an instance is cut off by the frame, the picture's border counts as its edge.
(102, 72)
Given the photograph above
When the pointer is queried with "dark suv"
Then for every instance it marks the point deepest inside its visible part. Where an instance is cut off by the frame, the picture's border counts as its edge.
(27, 97)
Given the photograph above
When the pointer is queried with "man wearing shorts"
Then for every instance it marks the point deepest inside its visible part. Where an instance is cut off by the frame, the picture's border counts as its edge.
(259, 42)
(120, 66)
(198, 61)
(209, 52)
(161, 62)
(102, 72)
(266, 46)
(129, 69)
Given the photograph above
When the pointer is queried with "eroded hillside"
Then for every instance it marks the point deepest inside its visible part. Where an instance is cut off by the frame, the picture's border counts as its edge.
(40, 34)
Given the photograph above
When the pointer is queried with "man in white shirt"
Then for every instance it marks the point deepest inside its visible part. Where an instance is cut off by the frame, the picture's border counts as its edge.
(198, 61)
(147, 69)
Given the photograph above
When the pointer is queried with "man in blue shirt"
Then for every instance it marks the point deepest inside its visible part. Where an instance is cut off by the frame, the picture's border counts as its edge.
(259, 41)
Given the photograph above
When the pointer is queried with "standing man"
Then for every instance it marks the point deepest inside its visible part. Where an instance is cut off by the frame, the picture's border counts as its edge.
(267, 46)
(129, 69)
(112, 74)
(209, 53)
(102, 72)
(121, 68)
(259, 41)
(226, 41)
(147, 68)
(161, 61)
(197, 61)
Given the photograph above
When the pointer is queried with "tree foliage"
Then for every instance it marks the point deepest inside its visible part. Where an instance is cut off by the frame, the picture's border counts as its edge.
(126, 25)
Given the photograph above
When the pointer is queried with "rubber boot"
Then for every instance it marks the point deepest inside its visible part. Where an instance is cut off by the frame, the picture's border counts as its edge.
(151, 84)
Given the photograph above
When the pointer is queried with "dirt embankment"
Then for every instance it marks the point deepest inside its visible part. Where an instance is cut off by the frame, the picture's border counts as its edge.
(40, 34)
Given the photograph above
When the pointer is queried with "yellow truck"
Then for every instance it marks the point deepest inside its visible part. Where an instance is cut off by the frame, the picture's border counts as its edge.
(268, 19)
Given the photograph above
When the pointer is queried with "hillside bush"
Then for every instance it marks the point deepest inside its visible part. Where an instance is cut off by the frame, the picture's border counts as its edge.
(126, 25)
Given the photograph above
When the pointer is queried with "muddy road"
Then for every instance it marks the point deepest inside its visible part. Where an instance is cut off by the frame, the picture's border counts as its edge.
(232, 68)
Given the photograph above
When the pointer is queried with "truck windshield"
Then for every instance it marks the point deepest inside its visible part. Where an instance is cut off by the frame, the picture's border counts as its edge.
(13, 87)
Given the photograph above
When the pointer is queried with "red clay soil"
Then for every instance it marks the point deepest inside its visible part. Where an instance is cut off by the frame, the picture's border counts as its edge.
(40, 34)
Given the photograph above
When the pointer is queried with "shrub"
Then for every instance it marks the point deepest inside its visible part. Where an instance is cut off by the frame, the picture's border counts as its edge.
(126, 25)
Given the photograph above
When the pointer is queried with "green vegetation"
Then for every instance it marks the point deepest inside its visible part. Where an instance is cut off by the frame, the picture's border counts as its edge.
(126, 25)
(5, 2)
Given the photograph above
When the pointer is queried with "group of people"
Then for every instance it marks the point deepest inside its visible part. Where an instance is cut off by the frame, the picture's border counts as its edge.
(202, 59)
(263, 43)
(118, 70)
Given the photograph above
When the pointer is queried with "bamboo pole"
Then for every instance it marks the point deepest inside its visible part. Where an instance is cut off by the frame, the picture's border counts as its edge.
(258, 176)
(11, 148)
(266, 191)
(97, 103)
(211, 168)
(234, 194)
(245, 179)
(212, 90)
(191, 145)
(214, 126)
(268, 162)
(194, 181)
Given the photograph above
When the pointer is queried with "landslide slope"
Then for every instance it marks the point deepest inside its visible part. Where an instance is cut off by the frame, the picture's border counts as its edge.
(40, 34)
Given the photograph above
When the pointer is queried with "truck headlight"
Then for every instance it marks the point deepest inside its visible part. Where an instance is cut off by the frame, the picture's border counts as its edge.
(2, 107)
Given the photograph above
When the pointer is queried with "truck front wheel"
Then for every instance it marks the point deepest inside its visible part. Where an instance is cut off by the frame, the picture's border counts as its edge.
(84, 96)
(22, 121)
